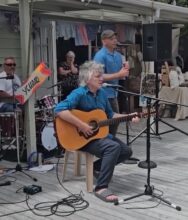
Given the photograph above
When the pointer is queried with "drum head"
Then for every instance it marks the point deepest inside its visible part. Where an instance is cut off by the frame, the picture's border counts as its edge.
(48, 139)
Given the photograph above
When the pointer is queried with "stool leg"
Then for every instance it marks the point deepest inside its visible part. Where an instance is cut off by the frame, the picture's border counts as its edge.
(66, 156)
(77, 163)
(89, 172)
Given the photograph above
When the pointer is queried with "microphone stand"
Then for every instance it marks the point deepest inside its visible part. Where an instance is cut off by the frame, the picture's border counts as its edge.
(157, 117)
(18, 167)
(148, 164)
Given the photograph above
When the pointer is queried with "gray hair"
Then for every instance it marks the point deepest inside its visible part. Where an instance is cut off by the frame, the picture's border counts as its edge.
(9, 58)
(70, 54)
(87, 69)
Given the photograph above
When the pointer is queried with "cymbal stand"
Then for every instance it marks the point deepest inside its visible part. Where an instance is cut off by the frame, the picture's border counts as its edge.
(148, 164)
(18, 166)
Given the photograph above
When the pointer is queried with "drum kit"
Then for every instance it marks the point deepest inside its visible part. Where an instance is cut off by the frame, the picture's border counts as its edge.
(7, 125)
(7, 121)
(44, 117)
(11, 131)
(12, 124)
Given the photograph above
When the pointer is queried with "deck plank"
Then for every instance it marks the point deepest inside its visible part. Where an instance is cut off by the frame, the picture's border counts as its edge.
(170, 176)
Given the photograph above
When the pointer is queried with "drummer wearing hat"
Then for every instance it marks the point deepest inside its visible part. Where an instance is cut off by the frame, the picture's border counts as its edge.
(113, 68)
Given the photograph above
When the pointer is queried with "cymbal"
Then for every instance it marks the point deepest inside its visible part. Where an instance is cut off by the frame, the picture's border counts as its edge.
(57, 84)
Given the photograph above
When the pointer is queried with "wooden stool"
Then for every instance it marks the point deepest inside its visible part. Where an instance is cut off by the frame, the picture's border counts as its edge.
(77, 164)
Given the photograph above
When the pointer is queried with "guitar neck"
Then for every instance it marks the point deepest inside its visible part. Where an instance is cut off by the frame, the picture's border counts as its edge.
(123, 118)
(117, 120)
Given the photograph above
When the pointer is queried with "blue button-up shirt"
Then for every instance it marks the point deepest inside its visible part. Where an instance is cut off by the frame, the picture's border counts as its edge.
(84, 100)
(112, 62)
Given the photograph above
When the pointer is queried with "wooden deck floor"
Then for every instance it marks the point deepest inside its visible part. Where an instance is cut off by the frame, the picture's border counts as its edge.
(170, 178)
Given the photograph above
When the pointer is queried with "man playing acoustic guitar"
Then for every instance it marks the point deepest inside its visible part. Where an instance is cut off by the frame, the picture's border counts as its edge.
(90, 98)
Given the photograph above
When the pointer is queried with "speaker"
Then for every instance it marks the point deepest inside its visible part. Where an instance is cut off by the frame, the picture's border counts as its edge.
(157, 42)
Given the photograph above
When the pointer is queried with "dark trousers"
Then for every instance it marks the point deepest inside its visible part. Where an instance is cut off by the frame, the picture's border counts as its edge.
(115, 107)
(111, 152)
(7, 107)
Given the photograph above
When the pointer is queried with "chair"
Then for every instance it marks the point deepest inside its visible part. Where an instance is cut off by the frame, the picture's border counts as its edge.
(77, 165)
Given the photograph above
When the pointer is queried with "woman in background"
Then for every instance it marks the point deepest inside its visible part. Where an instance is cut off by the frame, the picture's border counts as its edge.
(68, 75)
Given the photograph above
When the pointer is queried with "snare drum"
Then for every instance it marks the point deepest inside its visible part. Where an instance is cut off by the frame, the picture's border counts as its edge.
(47, 102)
(7, 125)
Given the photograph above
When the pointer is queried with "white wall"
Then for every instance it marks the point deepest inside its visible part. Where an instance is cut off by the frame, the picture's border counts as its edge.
(10, 46)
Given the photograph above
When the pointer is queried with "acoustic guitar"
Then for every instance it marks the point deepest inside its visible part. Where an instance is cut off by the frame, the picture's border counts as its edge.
(70, 138)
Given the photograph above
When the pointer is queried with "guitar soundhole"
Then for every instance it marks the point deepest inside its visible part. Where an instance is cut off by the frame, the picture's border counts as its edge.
(94, 125)
(95, 129)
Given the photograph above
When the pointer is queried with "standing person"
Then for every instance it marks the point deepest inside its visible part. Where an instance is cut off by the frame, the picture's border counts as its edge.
(8, 84)
(111, 151)
(68, 74)
(113, 68)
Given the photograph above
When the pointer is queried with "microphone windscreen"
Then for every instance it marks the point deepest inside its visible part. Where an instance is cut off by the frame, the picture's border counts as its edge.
(10, 77)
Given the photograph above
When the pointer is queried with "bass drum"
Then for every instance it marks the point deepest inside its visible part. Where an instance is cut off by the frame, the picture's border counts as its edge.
(48, 137)
(8, 125)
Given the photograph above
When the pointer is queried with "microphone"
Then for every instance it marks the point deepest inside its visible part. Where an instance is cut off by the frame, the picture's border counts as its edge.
(111, 85)
(10, 77)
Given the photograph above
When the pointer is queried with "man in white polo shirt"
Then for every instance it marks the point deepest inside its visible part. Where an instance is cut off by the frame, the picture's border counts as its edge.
(9, 83)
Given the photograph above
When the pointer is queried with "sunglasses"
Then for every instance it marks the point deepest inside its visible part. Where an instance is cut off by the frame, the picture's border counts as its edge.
(10, 64)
